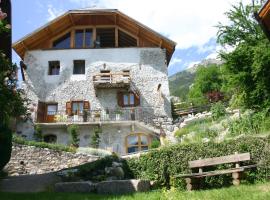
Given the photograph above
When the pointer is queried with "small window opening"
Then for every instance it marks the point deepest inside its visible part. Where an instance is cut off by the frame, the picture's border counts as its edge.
(54, 67)
(79, 67)
(50, 138)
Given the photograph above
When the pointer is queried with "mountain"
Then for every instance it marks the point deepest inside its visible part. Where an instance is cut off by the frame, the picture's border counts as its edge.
(180, 82)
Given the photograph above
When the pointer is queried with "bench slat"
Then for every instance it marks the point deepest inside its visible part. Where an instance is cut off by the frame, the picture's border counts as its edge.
(217, 172)
(219, 160)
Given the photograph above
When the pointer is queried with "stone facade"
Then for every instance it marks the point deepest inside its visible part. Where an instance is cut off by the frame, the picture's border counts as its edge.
(148, 72)
(33, 160)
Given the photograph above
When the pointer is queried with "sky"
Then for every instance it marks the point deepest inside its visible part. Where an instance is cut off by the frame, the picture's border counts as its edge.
(190, 23)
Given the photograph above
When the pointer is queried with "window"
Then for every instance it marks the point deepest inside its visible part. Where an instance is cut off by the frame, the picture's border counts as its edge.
(105, 37)
(51, 109)
(83, 38)
(129, 99)
(137, 142)
(54, 67)
(77, 107)
(50, 138)
(78, 67)
(125, 40)
(62, 42)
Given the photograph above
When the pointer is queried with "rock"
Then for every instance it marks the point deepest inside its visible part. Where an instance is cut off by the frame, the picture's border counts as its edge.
(86, 186)
(116, 164)
(122, 186)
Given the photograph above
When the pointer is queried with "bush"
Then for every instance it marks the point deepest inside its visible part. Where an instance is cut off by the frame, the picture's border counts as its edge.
(93, 151)
(38, 133)
(218, 110)
(95, 139)
(155, 143)
(5, 145)
(250, 123)
(57, 147)
(163, 164)
(73, 131)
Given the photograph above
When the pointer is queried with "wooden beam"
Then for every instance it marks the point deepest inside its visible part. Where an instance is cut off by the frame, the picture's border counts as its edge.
(71, 20)
(116, 37)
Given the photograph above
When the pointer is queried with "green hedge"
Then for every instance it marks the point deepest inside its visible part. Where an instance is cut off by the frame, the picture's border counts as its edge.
(57, 147)
(161, 165)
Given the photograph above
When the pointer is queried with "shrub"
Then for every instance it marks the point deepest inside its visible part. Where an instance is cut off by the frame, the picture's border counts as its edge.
(250, 123)
(94, 151)
(161, 165)
(218, 110)
(57, 147)
(155, 143)
(73, 131)
(5, 145)
(95, 139)
(38, 133)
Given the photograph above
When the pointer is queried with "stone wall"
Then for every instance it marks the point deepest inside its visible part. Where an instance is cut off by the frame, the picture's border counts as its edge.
(33, 160)
(147, 70)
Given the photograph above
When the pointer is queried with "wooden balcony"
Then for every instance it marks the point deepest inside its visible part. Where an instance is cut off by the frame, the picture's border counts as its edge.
(112, 80)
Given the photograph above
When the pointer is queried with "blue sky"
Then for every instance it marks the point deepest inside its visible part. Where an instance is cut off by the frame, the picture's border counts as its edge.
(189, 23)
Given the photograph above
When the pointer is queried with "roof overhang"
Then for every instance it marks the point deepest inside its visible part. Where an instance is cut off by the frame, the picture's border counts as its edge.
(263, 17)
(91, 17)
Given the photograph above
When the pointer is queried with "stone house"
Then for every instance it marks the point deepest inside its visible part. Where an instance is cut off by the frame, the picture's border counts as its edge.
(101, 70)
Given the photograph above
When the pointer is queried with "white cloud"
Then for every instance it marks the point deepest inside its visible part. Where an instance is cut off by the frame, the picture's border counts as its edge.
(191, 64)
(175, 61)
(53, 12)
(189, 23)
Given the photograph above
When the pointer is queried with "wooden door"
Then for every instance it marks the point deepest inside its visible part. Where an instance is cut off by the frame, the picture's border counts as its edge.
(51, 111)
(41, 111)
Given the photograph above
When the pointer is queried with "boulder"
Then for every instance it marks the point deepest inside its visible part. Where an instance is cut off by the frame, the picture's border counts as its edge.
(84, 186)
(122, 186)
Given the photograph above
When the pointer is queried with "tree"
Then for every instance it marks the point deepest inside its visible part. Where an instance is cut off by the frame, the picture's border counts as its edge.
(207, 80)
(11, 101)
(246, 68)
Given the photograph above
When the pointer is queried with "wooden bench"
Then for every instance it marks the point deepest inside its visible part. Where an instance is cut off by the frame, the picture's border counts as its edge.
(193, 180)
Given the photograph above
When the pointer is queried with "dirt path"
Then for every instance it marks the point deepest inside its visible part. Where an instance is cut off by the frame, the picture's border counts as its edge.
(29, 183)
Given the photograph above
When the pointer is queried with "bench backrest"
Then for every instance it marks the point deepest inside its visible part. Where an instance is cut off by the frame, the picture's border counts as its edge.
(219, 160)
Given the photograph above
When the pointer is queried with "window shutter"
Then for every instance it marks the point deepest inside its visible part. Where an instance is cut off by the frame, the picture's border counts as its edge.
(68, 108)
(41, 111)
(86, 105)
(120, 99)
(136, 100)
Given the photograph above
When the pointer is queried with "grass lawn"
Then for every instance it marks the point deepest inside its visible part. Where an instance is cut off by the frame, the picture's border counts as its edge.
(248, 192)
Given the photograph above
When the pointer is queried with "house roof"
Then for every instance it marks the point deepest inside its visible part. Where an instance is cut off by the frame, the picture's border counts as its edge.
(39, 38)
(263, 17)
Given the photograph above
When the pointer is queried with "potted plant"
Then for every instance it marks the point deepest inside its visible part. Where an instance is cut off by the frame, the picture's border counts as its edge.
(118, 114)
(85, 115)
(97, 115)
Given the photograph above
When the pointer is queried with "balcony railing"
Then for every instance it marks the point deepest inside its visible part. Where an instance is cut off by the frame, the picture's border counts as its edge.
(112, 80)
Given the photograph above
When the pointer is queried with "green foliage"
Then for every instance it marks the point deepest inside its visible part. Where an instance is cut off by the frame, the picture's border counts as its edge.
(95, 139)
(208, 79)
(158, 165)
(155, 143)
(250, 123)
(73, 130)
(38, 133)
(246, 68)
(5, 145)
(218, 110)
(199, 129)
(57, 147)
(93, 151)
